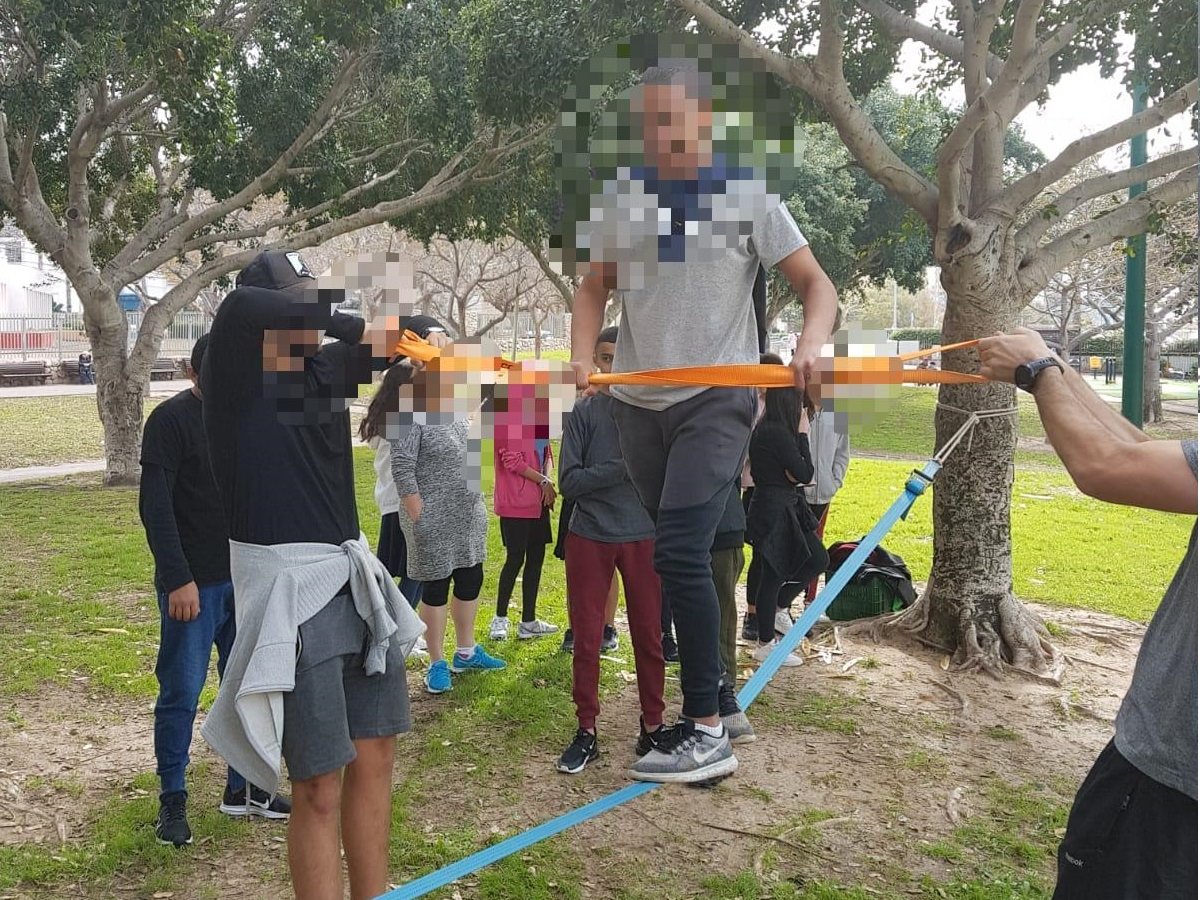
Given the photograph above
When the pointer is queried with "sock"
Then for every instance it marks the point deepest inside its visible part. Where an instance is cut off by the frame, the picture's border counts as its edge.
(465, 652)
(711, 730)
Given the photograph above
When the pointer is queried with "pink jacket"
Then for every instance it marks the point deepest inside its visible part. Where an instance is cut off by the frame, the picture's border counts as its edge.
(514, 496)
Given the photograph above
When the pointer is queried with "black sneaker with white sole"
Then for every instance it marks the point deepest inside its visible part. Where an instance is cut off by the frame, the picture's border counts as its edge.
(670, 648)
(256, 802)
(583, 750)
(172, 824)
(649, 740)
(610, 641)
(687, 755)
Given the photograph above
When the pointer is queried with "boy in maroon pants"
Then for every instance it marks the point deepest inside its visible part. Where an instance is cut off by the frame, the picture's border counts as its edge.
(609, 531)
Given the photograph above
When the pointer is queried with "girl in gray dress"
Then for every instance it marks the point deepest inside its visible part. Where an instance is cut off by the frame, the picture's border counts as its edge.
(435, 463)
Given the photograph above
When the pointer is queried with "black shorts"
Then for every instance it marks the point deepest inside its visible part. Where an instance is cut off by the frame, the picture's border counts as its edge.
(1128, 837)
(468, 582)
(518, 534)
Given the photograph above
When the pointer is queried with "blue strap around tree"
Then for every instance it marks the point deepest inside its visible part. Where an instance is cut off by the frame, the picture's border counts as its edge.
(916, 485)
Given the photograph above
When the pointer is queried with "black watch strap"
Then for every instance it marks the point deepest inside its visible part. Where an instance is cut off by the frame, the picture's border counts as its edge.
(1026, 375)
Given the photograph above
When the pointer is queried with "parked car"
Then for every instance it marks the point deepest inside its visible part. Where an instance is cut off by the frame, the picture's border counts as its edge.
(546, 334)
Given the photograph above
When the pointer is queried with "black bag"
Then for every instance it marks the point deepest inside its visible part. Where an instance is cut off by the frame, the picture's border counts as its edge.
(883, 570)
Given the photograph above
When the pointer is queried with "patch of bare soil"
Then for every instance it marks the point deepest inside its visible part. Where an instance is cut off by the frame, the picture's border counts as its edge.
(893, 751)
(60, 753)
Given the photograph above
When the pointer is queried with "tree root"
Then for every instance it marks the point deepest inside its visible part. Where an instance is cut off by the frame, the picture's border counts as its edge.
(1012, 640)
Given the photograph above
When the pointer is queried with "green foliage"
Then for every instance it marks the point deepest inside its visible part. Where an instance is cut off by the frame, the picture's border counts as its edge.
(929, 337)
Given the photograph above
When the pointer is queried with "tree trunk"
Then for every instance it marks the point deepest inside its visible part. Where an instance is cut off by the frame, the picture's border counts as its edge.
(118, 396)
(1152, 410)
(968, 608)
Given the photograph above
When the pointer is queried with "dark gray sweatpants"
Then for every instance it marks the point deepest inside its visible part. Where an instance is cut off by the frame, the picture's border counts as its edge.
(683, 461)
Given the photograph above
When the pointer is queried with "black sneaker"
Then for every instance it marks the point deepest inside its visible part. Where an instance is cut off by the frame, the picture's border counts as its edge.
(733, 718)
(750, 627)
(649, 740)
(172, 825)
(269, 806)
(582, 751)
(670, 649)
(610, 640)
(568, 644)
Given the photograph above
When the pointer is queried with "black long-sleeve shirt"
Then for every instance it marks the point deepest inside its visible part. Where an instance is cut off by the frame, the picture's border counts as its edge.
(776, 451)
(178, 501)
(280, 441)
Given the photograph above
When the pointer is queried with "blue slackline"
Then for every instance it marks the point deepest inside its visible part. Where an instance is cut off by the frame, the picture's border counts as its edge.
(913, 488)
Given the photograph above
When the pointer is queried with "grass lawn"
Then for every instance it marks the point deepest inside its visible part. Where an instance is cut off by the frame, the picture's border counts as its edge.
(74, 587)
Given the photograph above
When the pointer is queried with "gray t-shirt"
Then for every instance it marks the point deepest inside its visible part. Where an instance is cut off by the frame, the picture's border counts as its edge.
(1156, 726)
(686, 297)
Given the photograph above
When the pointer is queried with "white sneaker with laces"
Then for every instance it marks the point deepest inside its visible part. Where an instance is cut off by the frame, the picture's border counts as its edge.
(498, 631)
(535, 629)
(762, 651)
(783, 621)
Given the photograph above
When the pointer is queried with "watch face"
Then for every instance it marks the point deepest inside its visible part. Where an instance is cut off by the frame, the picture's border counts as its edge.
(1023, 377)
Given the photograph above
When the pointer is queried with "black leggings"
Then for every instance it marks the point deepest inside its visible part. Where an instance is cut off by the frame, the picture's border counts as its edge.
(770, 584)
(525, 545)
(468, 583)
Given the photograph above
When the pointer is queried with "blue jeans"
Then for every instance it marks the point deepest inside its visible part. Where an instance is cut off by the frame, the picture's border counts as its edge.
(412, 590)
(184, 651)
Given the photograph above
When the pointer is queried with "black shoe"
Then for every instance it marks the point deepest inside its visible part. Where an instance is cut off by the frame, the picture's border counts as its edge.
(670, 650)
(649, 740)
(582, 751)
(610, 640)
(568, 644)
(268, 806)
(172, 825)
(732, 717)
(750, 627)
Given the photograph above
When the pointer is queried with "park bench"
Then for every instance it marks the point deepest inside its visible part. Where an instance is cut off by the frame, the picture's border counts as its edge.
(164, 369)
(19, 371)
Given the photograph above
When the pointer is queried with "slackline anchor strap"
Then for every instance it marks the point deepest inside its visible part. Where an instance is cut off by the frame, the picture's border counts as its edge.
(914, 487)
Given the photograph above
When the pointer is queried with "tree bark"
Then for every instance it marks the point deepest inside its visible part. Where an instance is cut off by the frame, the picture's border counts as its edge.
(968, 608)
(120, 393)
(1152, 409)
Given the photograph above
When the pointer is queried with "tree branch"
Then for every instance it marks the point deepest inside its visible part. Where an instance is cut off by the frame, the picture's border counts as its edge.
(1022, 191)
(1125, 221)
(1098, 186)
(901, 25)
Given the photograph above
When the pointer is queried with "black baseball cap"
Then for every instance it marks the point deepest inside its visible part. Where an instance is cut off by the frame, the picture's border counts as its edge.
(278, 270)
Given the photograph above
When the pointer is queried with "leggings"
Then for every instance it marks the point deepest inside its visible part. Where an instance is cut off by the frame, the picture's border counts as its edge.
(525, 545)
(769, 583)
(468, 583)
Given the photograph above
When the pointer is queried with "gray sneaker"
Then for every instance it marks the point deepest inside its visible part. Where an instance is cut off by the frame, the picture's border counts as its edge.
(733, 718)
(687, 756)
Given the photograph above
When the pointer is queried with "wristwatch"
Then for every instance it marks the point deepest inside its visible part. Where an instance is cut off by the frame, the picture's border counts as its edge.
(1026, 375)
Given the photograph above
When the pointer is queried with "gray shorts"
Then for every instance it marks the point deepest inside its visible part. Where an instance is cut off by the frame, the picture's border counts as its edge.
(335, 702)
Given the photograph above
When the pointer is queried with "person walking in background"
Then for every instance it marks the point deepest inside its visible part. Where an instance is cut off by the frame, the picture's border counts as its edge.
(444, 520)
(779, 524)
(185, 528)
(523, 496)
(829, 443)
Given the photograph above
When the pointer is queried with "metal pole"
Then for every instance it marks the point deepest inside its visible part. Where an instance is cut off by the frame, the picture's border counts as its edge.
(1135, 287)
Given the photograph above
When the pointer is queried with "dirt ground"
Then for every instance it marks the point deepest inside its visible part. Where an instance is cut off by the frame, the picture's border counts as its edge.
(882, 744)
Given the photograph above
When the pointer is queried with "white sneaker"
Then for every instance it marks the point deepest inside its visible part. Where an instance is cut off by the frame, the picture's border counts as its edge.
(783, 621)
(498, 631)
(420, 648)
(761, 652)
(535, 629)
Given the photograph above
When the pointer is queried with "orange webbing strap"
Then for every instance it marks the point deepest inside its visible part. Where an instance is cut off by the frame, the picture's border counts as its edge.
(845, 370)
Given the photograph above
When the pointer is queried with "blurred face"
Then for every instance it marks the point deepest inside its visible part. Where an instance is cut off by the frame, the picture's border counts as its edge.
(603, 357)
(284, 350)
(676, 129)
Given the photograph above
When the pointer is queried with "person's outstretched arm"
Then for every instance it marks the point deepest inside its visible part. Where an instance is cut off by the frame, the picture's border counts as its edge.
(1148, 474)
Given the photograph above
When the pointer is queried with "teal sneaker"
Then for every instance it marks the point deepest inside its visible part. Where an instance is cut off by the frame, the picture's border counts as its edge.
(480, 659)
(437, 679)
